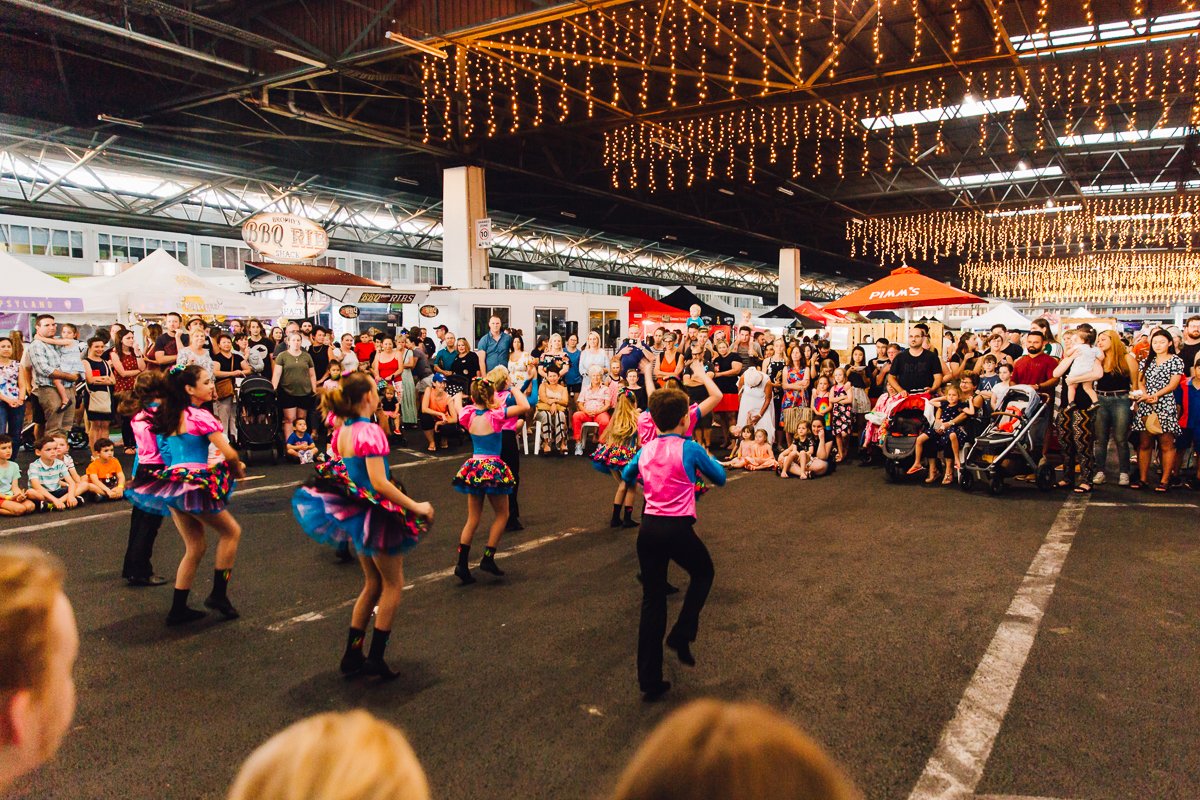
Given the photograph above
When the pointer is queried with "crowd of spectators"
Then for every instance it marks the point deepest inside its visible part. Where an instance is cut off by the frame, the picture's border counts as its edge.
(791, 395)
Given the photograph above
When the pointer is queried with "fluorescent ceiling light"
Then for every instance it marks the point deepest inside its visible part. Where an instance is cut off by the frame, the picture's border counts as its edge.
(1126, 217)
(312, 62)
(666, 144)
(988, 178)
(1109, 34)
(400, 38)
(568, 214)
(1121, 137)
(785, 190)
(1137, 187)
(969, 108)
(723, 190)
(406, 181)
(1025, 212)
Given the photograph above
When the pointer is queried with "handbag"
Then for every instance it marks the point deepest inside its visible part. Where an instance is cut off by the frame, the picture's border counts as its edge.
(224, 388)
(99, 402)
(1153, 424)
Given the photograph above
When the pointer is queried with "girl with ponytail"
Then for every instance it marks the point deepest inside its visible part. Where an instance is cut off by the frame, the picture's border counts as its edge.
(485, 474)
(618, 445)
(353, 500)
(139, 406)
(195, 493)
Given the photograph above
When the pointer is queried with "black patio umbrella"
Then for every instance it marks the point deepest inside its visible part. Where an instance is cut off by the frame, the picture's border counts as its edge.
(785, 312)
(682, 298)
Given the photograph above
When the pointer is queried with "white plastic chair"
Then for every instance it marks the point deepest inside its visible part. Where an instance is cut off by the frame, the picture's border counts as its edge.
(585, 429)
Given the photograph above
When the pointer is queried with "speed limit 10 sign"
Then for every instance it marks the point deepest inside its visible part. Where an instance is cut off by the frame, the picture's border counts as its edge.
(483, 233)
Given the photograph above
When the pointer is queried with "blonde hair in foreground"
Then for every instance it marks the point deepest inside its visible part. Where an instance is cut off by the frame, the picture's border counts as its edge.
(712, 750)
(30, 582)
(336, 756)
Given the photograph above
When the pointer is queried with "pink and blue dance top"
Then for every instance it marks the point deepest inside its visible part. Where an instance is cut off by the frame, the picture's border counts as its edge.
(146, 489)
(339, 504)
(507, 401)
(668, 467)
(648, 432)
(484, 472)
(188, 483)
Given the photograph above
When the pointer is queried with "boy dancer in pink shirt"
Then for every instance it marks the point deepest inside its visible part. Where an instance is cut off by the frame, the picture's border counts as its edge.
(668, 466)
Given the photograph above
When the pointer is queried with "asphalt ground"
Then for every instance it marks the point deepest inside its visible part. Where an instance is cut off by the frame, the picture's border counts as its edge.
(861, 609)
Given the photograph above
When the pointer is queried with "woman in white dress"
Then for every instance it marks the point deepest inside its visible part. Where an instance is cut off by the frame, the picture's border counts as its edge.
(754, 407)
(519, 368)
(593, 355)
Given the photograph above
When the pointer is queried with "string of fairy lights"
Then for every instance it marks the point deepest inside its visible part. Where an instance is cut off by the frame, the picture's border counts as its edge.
(666, 54)
(856, 134)
(1154, 277)
(1101, 224)
(708, 91)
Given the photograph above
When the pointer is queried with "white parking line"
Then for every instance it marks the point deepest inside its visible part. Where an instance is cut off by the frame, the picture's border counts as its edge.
(62, 523)
(1144, 505)
(956, 766)
(532, 544)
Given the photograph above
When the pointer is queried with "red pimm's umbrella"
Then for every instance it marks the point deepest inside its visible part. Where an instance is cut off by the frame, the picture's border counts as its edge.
(903, 288)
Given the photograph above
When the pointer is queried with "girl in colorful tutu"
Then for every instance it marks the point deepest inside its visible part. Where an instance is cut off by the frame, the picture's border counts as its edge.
(148, 507)
(484, 474)
(195, 493)
(352, 499)
(618, 445)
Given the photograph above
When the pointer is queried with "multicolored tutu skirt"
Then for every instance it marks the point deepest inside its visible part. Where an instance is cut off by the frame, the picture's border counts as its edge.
(332, 509)
(195, 490)
(485, 475)
(608, 457)
(148, 491)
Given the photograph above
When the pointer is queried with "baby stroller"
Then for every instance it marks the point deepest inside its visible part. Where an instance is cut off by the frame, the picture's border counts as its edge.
(258, 418)
(898, 438)
(1011, 444)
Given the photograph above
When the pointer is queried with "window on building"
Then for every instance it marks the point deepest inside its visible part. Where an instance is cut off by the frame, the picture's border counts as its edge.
(430, 275)
(552, 320)
(608, 324)
(216, 256)
(35, 241)
(485, 313)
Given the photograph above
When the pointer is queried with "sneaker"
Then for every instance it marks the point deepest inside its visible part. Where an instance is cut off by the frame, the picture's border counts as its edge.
(1123, 480)
(579, 448)
(1098, 477)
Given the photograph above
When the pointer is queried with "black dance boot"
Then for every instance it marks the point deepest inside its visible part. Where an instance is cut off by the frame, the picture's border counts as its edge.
(217, 600)
(181, 614)
(488, 562)
(683, 650)
(353, 658)
(374, 663)
(628, 522)
(462, 571)
(616, 517)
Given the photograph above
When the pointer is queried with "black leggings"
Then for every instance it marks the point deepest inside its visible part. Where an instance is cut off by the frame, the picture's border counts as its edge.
(660, 541)
(510, 454)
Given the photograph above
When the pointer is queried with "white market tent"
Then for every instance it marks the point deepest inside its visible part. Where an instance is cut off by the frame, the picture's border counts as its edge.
(1003, 314)
(1081, 313)
(159, 284)
(28, 290)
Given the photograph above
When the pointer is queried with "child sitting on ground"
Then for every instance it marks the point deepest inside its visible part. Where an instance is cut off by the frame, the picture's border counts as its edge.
(104, 477)
(49, 482)
(761, 456)
(745, 449)
(808, 455)
(78, 482)
(70, 359)
(300, 445)
(13, 500)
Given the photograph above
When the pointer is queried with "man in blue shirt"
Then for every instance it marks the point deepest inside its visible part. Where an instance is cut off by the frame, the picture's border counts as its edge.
(635, 356)
(443, 358)
(494, 346)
